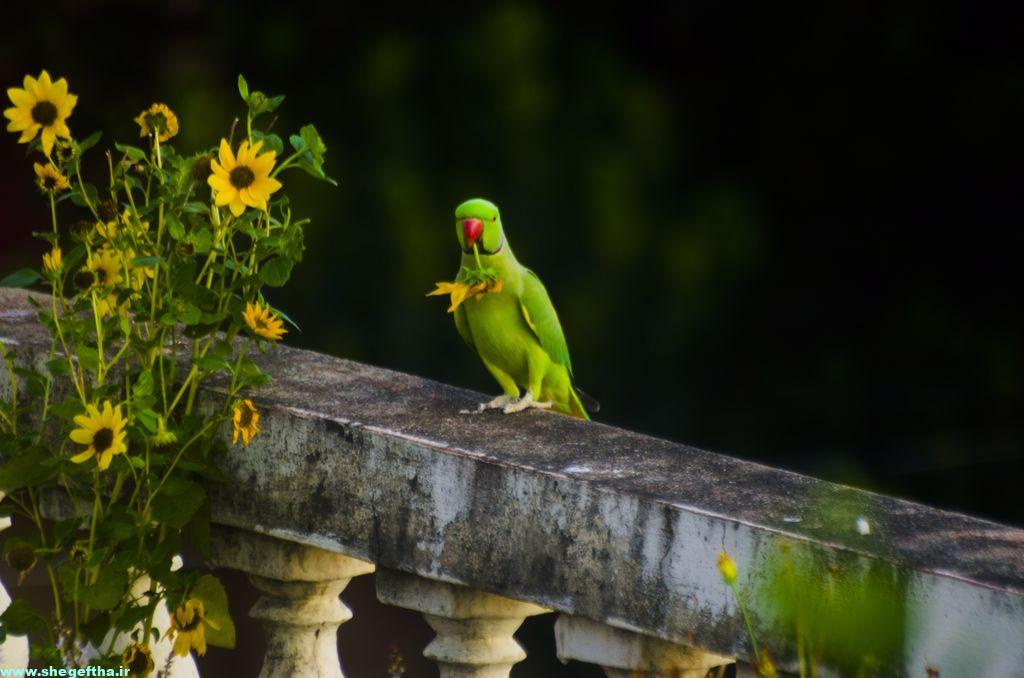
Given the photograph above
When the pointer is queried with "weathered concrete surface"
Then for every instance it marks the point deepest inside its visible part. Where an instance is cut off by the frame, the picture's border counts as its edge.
(584, 518)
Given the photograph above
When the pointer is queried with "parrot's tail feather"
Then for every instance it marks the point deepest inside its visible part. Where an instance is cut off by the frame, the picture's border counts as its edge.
(576, 408)
(588, 400)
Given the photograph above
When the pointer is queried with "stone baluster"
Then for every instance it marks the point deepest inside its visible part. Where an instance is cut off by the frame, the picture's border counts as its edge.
(299, 605)
(628, 654)
(474, 628)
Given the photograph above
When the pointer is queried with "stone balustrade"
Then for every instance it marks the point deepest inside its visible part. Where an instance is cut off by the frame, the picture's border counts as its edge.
(479, 522)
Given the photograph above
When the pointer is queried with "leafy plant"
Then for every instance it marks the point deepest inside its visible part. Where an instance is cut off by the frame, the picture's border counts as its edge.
(155, 290)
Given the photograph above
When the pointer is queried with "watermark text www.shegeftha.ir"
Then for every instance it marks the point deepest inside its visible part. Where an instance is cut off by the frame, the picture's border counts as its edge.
(83, 672)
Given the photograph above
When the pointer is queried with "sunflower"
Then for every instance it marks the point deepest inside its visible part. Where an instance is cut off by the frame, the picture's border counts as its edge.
(246, 421)
(52, 261)
(263, 322)
(138, 660)
(188, 628)
(158, 119)
(243, 181)
(103, 271)
(79, 554)
(105, 268)
(105, 265)
(43, 106)
(103, 432)
(50, 179)
(21, 556)
(460, 291)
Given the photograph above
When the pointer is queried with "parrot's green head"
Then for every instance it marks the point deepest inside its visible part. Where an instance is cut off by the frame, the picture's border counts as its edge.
(477, 222)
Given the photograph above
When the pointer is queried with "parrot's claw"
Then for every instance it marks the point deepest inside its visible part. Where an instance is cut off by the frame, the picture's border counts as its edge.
(526, 402)
(498, 403)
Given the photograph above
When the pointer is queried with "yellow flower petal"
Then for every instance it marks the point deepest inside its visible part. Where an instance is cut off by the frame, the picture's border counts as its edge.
(81, 436)
(225, 197)
(227, 160)
(83, 456)
(20, 97)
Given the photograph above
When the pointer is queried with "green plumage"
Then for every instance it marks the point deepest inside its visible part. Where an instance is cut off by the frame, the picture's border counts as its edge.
(516, 331)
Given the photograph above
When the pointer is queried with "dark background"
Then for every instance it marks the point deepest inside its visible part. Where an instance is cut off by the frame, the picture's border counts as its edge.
(788, 233)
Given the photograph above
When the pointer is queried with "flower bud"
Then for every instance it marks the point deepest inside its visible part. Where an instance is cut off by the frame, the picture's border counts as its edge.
(727, 566)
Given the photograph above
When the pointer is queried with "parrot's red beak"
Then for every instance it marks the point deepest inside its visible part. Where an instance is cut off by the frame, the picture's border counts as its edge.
(472, 229)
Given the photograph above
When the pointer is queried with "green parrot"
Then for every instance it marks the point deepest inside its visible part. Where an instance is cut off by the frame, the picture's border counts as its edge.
(512, 325)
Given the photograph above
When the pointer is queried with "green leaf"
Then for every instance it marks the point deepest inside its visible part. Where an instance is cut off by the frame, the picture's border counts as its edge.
(201, 239)
(243, 88)
(313, 143)
(69, 409)
(260, 103)
(147, 418)
(96, 628)
(175, 228)
(144, 402)
(22, 278)
(20, 619)
(144, 384)
(146, 262)
(210, 363)
(271, 142)
(133, 616)
(106, 593)
(187, 314)
(196, 208)
(276, 271)
(88, 142)
(197, 532)
(249, 374)
(26, 469)
(78, 197)
(134, 154)
(284, 316)
(272, 104)
(177, 509)
(215, 600)
(88, 356)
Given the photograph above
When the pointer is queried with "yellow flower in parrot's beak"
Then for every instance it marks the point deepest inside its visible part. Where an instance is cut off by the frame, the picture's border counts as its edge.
(243, 181)
(41, 107)
(263, 322)
(103, 431)
(461, 291)
(246, 420)
(49, 179)
(188, 628)
(138, 660)
(52, 261)
(157, 119)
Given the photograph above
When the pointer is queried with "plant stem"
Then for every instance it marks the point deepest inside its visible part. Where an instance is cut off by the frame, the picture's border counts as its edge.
(746, 618)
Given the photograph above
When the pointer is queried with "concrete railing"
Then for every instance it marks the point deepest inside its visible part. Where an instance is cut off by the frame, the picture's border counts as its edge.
(481, 521)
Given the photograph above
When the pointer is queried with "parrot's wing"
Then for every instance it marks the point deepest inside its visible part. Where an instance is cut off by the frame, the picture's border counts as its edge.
(462, 325)
(541, 317)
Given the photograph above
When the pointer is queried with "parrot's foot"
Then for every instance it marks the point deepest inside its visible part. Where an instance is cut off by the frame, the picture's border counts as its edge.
(498, 403)
(526, 402)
